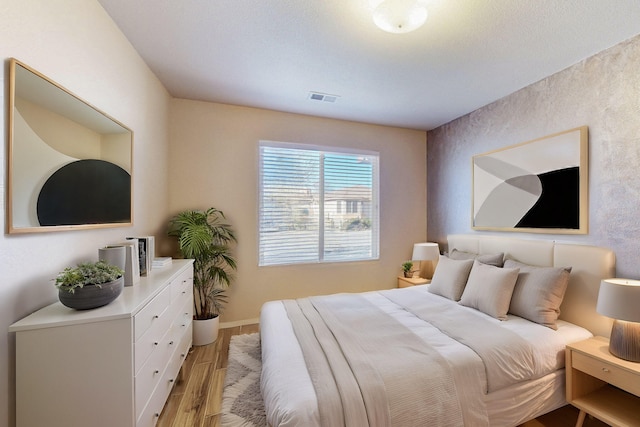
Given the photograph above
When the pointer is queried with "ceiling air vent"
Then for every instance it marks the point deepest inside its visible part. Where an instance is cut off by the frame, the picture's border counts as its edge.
(325, 97)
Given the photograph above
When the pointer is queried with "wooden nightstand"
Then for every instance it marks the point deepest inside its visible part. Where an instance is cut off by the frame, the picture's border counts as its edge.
(405, 282)
(601, 384)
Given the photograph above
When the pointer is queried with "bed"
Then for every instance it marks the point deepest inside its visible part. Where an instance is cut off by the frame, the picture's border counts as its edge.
(449, 353)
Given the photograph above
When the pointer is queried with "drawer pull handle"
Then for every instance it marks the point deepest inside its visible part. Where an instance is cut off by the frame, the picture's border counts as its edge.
(182, 355)
(156, 372)
(170, 342)
(156, 316)
(155, 343)
(171, 380)
(183, 325)
(157, 415)
(605, 370)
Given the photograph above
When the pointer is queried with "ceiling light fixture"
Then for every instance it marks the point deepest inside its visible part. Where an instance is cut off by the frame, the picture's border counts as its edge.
(399, 16)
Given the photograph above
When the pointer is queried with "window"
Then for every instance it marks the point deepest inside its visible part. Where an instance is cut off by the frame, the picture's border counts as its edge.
(317, 204)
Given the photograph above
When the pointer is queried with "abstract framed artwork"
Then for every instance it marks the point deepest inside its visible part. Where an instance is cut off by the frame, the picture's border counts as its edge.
(538, 186)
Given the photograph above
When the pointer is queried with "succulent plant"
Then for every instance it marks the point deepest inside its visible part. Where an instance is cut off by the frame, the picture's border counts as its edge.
(88, 273)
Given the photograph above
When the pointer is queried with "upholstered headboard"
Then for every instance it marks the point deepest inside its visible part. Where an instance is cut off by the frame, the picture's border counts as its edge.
(590, 264)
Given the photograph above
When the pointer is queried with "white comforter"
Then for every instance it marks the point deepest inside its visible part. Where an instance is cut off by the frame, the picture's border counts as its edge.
(289, 394)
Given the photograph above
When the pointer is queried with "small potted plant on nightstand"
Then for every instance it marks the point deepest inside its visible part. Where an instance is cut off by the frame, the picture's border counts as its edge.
(407, 267)
(89, 285)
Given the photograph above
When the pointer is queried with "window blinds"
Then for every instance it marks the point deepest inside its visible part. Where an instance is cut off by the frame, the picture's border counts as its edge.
(317, 204)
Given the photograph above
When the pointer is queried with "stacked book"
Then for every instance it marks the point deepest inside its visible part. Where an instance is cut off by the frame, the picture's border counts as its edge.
(161, 262)
(146, 252)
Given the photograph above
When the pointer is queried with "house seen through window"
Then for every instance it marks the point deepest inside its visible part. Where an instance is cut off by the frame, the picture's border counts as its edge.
(317, 204)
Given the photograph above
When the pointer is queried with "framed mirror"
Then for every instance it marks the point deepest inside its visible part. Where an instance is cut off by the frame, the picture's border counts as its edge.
(69, 165)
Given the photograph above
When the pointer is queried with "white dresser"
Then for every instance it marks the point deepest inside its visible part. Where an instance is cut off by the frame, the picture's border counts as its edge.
(113, 366)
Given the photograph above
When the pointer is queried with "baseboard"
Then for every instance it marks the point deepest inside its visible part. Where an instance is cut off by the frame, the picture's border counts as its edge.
(224, 325)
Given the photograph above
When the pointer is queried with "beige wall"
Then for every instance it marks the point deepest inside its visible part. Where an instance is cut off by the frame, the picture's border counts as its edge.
(75, 43)
(214, 162)
(601, 92)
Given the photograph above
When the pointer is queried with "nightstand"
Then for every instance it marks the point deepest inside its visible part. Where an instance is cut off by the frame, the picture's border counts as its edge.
(405, 282)
(601, 384)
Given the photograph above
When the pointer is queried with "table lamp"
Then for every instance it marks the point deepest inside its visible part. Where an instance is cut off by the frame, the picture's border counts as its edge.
(620, 299)
(425, 252)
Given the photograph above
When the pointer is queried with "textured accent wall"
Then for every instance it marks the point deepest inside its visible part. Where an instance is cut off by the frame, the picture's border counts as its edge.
(601, 92)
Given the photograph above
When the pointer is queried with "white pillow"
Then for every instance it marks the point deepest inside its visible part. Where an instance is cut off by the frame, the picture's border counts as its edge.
(450, 277)
(539, 292)
(489, 289)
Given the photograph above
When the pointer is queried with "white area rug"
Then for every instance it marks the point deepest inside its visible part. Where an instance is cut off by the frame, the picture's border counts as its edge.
(242, 403)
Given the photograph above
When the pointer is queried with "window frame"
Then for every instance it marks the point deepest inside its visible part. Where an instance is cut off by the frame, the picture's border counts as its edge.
(375, 202)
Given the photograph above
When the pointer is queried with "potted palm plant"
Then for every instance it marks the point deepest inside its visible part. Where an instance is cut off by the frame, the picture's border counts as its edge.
(204, 236)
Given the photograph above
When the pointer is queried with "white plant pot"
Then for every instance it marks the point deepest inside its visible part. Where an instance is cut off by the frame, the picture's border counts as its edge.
(205, 331)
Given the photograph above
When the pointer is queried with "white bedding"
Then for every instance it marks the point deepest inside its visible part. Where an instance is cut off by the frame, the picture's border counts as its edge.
(290, 398)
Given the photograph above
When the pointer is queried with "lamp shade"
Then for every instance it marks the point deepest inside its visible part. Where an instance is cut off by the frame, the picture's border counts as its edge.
(619, 299)
(425, 252)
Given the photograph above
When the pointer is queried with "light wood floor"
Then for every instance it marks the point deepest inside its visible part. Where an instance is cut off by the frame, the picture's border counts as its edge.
(196, 398)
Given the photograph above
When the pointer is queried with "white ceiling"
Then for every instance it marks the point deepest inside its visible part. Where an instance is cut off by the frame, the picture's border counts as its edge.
(272, 53)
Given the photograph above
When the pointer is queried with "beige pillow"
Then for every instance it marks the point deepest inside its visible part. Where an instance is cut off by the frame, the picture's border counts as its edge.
(491, 259)
(489, 289)
(450, 277)
(539, 292)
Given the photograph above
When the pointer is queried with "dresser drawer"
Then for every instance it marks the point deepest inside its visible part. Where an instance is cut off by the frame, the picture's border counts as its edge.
(151, 412)
(184, 316)
(607, 372)
(182, 285)
(149, 342)
(185, 344)
(151, 312)
(178, 357)
(151, 372)
(180, 324)
(179, 303)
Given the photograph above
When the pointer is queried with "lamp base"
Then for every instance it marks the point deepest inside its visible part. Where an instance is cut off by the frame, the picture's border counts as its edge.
(625, 340)
(427, 268)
